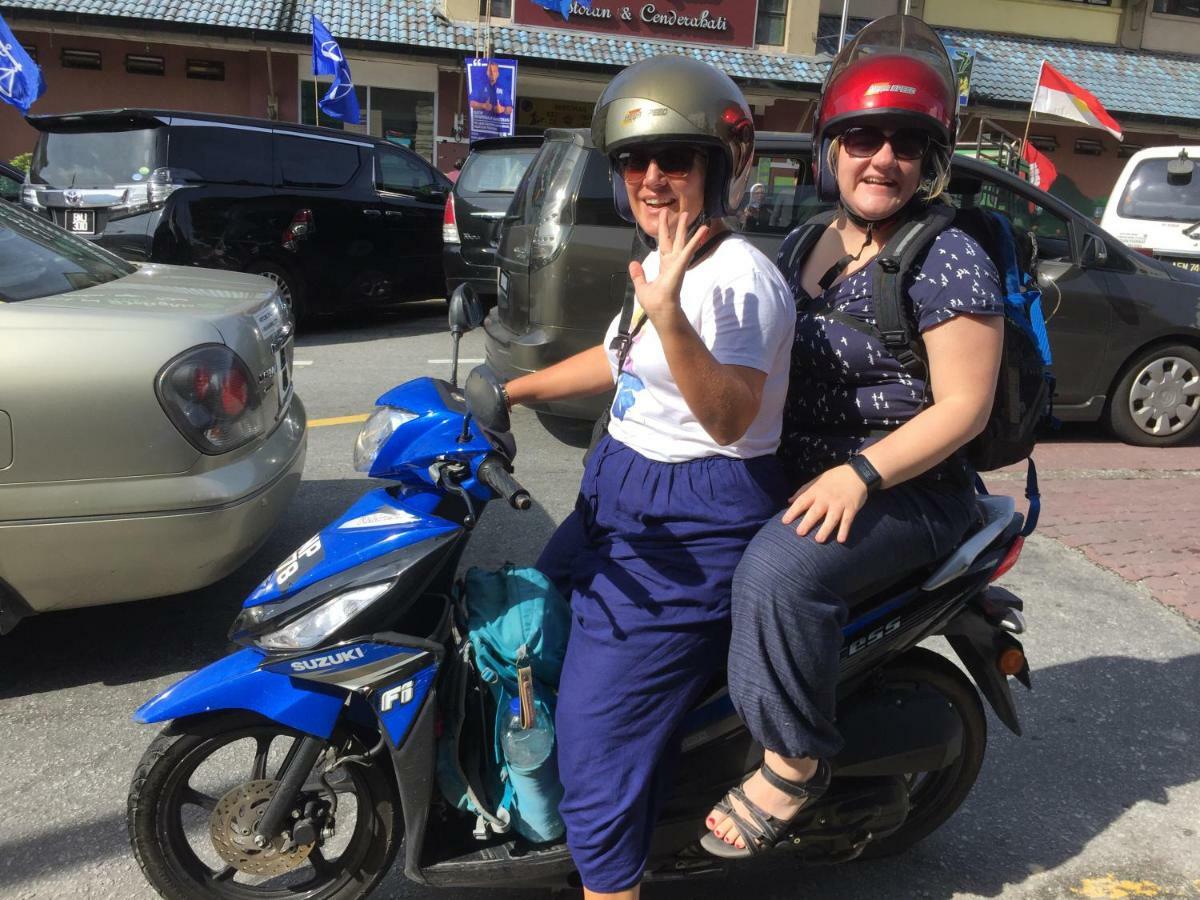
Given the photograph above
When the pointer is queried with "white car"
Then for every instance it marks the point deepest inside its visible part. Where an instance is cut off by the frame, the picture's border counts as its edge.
(1155, 205)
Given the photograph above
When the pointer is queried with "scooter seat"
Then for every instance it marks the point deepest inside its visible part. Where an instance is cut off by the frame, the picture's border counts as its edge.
(998, 512)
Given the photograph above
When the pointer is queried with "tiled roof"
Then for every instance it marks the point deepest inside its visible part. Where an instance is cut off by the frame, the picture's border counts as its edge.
(1142, 82)
(412, 23)
(1159, 85)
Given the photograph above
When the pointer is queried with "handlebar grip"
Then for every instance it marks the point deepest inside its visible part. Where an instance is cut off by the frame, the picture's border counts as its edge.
(493, 473)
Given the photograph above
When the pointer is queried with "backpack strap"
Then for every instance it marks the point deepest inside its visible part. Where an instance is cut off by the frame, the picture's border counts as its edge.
(801, 240)
(895, 261)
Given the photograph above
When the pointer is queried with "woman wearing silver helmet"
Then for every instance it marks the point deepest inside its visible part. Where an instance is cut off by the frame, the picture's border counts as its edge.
(870, 442)
(686, 473)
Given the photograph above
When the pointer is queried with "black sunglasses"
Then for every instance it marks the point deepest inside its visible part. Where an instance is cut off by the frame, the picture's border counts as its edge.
(866, 140)
(673, 161)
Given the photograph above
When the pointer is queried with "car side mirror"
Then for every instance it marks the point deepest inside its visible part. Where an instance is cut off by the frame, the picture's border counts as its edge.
(1095, 250)
(466, 310)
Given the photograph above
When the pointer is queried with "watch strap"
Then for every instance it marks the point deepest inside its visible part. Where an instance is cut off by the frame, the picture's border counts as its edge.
(868, 473)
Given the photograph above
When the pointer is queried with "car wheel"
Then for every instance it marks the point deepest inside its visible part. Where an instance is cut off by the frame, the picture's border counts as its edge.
(291, 286)
(1156, 402)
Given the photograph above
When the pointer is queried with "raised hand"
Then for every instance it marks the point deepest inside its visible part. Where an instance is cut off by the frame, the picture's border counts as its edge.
(660, 297)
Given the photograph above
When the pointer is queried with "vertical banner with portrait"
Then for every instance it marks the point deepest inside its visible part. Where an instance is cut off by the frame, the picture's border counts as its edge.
(491, 97)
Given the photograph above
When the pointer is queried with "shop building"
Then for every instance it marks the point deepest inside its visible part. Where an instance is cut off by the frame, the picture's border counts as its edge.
(252, 58)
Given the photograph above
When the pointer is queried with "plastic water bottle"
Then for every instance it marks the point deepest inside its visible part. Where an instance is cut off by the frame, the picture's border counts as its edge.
(525, 748)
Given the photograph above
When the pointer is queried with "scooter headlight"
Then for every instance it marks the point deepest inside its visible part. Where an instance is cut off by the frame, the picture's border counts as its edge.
(375, 432)
(312, 628)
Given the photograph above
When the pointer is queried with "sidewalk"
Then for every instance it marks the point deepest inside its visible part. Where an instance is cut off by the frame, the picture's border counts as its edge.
(1132, 510)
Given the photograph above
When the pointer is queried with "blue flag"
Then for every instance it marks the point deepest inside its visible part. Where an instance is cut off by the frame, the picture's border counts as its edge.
(339, 101)
(21, 80)
(563, 6)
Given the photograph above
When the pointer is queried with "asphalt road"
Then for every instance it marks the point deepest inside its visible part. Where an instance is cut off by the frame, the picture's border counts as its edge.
(1100, 797)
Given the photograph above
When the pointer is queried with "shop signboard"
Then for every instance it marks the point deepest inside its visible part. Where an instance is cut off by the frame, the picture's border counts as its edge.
(729, 23)
(538, 112)
(491, 96)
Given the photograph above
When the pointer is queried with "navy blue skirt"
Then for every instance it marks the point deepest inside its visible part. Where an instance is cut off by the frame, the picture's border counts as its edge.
(647, 560)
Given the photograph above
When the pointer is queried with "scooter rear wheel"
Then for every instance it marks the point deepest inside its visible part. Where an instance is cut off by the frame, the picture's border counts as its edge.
(935, 796)
(193, 802)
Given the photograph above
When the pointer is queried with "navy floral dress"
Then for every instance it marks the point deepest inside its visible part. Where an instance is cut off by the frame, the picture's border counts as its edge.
(844, 383)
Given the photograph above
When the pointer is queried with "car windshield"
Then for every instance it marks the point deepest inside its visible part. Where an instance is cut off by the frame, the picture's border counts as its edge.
(96, 159)
(495, 171)
(1150, 194)
(38, 259)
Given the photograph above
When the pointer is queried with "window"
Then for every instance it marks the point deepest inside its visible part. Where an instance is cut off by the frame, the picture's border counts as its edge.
(501, 9)
(38, 259)
(310, 112)
(1051, 231)
(9, 189)
(221, 155)
(97, 159)
(495, 171)
(595, 203)
(400, 173)
(402, 117)
(314, 163)
(1153, 194)
(137, 64)
(779, 195)
(206, 69)
(1178, 7)
(80, 59)
(772, 17)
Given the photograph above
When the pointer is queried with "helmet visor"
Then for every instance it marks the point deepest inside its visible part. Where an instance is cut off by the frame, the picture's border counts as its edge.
(897, 36)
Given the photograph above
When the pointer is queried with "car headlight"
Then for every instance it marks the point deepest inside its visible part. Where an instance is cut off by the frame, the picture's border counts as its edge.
(375, 432)
(314, 627)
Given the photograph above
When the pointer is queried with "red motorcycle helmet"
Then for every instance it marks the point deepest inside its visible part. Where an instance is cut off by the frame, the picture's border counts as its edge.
(893, 73)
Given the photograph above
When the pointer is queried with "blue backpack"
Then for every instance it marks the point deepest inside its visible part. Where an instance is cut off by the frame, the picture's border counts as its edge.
(516, 626)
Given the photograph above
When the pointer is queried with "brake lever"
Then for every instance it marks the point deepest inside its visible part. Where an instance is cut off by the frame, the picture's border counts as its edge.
(447, 482)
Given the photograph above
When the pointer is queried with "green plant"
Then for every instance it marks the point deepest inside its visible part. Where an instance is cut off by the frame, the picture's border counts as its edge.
(22, 161)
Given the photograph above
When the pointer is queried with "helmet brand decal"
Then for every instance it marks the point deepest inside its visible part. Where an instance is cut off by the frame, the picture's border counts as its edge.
(328, 661)
(661, 111)
(632, 116)
(885, 87)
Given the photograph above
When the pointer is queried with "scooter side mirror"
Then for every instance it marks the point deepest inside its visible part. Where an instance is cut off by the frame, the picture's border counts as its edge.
(485, 399)
(466, 310)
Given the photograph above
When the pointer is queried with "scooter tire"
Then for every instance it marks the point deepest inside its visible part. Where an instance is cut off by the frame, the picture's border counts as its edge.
(935, 796)
(171, 865)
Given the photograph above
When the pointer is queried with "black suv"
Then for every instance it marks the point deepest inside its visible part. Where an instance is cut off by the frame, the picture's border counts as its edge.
(1122, 326)
(337, 219)
(475, 208)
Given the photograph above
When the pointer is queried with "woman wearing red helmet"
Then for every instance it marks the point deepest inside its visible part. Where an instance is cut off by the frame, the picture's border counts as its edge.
(872, 445)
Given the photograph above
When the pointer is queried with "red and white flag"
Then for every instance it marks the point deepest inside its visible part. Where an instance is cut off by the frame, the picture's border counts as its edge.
(1060, 96)
(1041, 171)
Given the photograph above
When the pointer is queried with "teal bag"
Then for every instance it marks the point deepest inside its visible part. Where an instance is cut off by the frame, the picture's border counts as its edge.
(514, 618)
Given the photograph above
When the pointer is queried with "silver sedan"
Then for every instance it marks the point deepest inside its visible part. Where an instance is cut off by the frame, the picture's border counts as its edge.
(150, 437)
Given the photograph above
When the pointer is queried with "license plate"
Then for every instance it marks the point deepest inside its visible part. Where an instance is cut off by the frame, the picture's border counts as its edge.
(1192, 265)
(81, 221)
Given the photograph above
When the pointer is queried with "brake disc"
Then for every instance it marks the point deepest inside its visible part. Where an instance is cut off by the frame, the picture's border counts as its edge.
(232, 825)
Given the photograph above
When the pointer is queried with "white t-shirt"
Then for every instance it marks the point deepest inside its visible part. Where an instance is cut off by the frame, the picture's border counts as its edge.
(744, 313)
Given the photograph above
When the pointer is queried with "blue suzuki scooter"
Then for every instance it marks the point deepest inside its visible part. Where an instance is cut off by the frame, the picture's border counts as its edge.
(297, 766)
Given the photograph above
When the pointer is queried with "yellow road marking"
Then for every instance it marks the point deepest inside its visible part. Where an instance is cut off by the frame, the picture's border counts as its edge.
(338, 420)
(1112, 888)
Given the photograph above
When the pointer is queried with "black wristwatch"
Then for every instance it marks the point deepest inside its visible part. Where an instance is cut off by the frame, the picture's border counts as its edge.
(868, 473)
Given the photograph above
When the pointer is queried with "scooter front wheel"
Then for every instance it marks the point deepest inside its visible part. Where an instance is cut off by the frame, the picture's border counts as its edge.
(200, 789)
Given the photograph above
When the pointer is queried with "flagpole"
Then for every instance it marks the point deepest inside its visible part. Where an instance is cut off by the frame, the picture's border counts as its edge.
(1029, 119)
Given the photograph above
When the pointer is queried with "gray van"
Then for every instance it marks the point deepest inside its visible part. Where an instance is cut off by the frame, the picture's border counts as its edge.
(564, 252)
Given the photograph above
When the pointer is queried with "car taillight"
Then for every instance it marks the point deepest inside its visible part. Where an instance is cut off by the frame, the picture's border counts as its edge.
(302, 225)
(149, 194)
(450, 224)
(211, 397)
